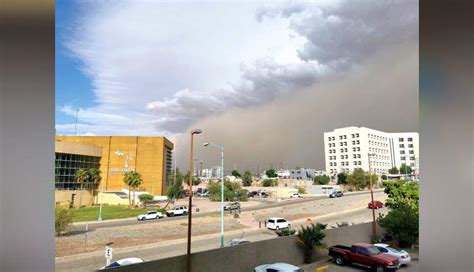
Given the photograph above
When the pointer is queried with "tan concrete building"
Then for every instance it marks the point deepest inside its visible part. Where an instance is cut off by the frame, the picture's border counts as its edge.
(150, 156)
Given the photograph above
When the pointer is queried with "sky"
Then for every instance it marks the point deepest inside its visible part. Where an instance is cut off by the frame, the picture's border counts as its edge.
(264, 79)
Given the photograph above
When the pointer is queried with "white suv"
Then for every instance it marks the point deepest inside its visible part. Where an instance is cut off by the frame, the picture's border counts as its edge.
(179, 210)
(276, 223)
(150, 215)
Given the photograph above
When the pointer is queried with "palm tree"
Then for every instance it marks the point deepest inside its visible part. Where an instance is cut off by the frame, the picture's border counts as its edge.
(133, 179)
(94, 179)
(311, 237)
(82, 177)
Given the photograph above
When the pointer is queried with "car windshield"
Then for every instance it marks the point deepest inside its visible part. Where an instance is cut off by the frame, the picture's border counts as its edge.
(373, 250)
(394, 250)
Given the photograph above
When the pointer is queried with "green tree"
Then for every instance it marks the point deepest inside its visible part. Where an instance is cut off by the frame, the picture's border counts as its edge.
(133, 180)
(321, 180)
(269, 183)
(247, 178)
(235, 173)
(271, 173)
(63, 218)
(89, 178)
(341, 178)
(94, 179)
(402, 223)
(145, 198)
(311, 237)
(393, 170)
(402, 192)
(232, 191)
(175, 186)
(405, 169)
(360, 179)
(402, 220)
(196, 181)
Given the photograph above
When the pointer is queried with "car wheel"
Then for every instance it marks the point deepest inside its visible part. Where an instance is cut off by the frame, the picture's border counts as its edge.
(339, 260)
(379, 269)
(277, 228)
(172, 214)
(289, 226)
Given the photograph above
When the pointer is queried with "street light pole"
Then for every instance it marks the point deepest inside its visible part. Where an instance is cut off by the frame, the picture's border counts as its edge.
(372, 197)
(222, 190)
(190, 208)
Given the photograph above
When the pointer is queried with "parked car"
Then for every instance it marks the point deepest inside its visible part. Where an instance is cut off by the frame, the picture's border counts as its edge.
(123, 262)
(150, 215)
(278, 267)
(264, 194)
(375, 205)
(178, 210)
(366, 255)
(276, 223)
(336, 194)
(296, 195)
(403, 256)
(235, 242)
(185, 193)
(253, 193)
(232, 206)
(205, 193)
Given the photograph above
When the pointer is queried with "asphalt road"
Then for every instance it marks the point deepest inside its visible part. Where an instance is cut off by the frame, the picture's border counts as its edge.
(332, 267)
(78, 227)
(91, 261)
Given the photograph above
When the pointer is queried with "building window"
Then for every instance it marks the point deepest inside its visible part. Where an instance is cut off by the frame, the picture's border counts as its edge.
(410, 139)
(333, 138)
(411, 152)
(402, 158)
(345, 137)
(340, 137)
(329, 138)
(412, 158)
(335, 164)
(358, 149)
(402, 145)
(353, 136)
(357, 135)
(400, 139)
(410, 146)
(402, 152)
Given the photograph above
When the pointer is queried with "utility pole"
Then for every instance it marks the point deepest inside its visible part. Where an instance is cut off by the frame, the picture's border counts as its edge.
(374, 231)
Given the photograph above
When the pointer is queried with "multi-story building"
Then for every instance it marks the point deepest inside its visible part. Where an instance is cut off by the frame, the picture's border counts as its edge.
(302, 174)
(348, 148)
(213, 172)
(115, 155)
(405, 149)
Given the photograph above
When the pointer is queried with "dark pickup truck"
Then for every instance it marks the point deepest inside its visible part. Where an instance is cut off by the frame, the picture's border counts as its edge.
(365, 255)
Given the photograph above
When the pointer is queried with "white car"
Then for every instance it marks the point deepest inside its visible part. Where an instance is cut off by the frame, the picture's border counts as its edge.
(276, 223)
(236, 242)
(123, 262)
(150, 215)
(403, 256)
(179, 210)
(296, 195)
(280, 267)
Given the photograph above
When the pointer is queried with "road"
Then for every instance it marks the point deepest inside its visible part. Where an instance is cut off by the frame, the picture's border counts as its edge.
(79, 227)
(95, 260)
(332, 267)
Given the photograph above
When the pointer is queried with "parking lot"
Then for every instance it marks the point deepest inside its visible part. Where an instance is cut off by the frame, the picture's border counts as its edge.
(332, 267)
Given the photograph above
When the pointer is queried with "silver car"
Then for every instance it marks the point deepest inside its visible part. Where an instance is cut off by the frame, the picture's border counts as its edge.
(280, 267)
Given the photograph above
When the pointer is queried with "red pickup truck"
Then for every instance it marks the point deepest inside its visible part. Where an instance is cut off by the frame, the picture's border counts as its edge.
(365, 255)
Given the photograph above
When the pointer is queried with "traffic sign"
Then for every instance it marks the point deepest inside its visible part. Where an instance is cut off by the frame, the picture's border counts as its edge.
(108, 253)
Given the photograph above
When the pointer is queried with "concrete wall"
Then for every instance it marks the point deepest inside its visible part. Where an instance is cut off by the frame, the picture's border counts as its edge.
(246, 257)
(63, 198)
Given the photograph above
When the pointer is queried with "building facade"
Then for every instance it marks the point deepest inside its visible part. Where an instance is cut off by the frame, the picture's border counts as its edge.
(152, 157)
(348, 148)
(405, 148)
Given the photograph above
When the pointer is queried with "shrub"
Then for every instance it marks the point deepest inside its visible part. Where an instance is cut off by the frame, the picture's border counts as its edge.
(63, 218)
(269, 183)
(321, 180)
(341, 178)
(285, 232)
(271, 173)
(145, 198)
(301, 189)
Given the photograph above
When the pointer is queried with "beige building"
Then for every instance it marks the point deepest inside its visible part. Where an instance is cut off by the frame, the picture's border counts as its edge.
(114, 155)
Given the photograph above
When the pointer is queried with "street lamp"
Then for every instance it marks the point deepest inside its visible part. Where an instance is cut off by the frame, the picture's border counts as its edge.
(222, 189)
(372, 197)
(188, 253)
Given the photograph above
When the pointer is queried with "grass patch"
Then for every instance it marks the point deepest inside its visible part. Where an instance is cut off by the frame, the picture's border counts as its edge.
(108, 212)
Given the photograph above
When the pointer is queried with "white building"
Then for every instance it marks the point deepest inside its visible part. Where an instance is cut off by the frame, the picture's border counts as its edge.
(213, 172)
(283, 173)
(405, 148)
(349, 148)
